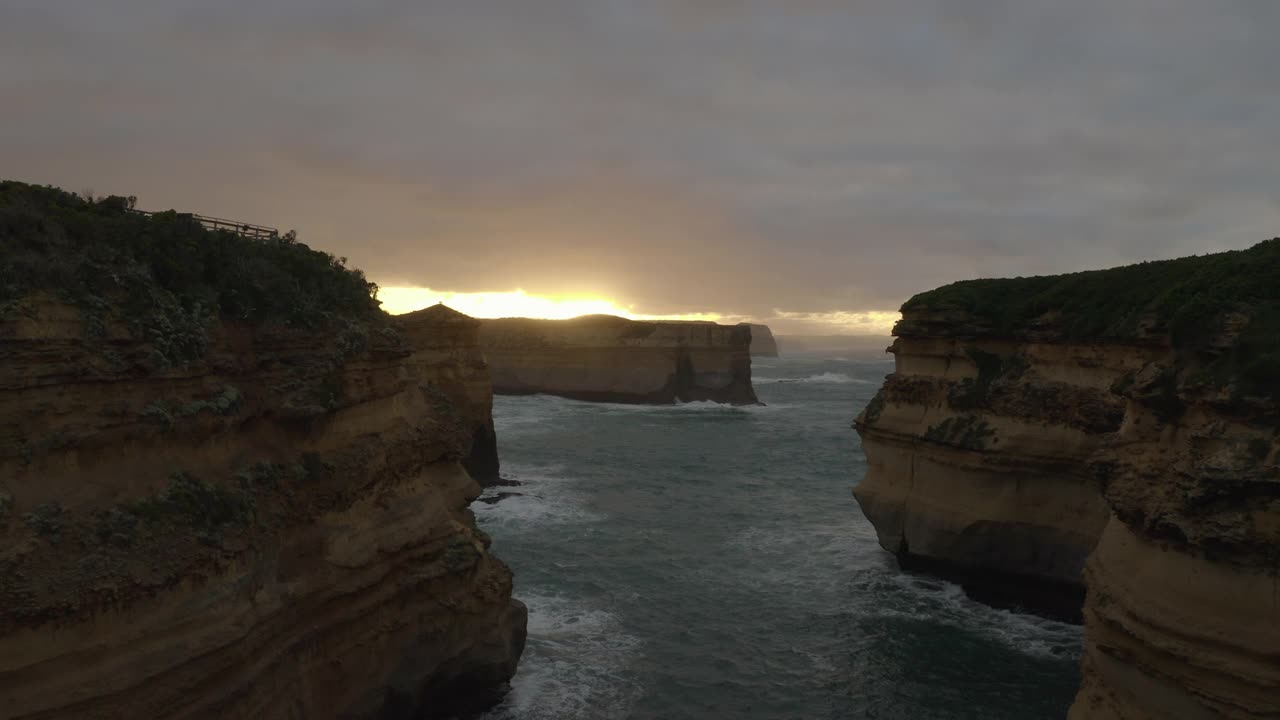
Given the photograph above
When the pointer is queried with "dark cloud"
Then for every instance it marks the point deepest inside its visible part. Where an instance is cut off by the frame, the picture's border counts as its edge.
(812, 156)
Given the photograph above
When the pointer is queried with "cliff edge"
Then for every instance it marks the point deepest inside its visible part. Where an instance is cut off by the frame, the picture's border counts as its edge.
(230, 486)
(611, 359)
(763, 343)
(1111, 430)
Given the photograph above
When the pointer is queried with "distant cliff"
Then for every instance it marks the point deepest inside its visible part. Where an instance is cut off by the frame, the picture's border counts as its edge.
(1121, 423)
(230, 486)
(612, 359)
(763, 343)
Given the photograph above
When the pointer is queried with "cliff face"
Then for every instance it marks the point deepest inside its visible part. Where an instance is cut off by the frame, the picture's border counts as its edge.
(1182, 618)
(1016, 451)
(279, 529)
(763, 343)
(230, 486)
(612, 359)
(451, 340)
(975, 450)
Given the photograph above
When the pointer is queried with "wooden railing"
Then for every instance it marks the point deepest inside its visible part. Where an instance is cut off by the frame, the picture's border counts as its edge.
(243, 229)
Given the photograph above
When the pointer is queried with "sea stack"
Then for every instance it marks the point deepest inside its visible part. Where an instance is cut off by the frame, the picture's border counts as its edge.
(1120, 423)
(255, 509)
(605, 358)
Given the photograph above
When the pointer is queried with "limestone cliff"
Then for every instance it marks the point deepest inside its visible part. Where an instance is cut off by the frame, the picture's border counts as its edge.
(974, 449)
(1121, 423)
(612, 359)
(215, 514)
(452, 337)
(763, 343)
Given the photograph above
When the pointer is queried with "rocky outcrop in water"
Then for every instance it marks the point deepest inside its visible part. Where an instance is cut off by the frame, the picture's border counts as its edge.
(763, 343)
(210, 513)
(611, 359)
(1114, 431)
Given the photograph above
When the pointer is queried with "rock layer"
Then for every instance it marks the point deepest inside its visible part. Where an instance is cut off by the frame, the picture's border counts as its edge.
(1018, 454)
(1182, 618)
(975, 451)
(449, 337)
(278, 529)
(763, 343)
(611, 359)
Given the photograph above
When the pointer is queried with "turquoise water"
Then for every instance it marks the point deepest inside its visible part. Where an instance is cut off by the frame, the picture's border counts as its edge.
(702, 561)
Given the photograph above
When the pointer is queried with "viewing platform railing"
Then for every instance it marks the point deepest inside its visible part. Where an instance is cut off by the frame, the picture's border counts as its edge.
(244, 229)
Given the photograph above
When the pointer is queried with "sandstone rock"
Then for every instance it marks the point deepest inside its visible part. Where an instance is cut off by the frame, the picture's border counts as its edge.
(444, 334)
(1016, 456)
(611, 359)
(975, 451)
(280, 529)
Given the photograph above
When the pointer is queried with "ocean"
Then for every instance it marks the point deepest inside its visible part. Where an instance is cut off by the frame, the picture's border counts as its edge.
(704, 561)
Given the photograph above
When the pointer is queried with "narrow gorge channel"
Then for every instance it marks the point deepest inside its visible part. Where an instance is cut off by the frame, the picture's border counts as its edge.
(703, 560)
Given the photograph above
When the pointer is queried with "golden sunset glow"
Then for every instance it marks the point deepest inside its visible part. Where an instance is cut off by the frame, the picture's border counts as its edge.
(518, 303)
(868, 322)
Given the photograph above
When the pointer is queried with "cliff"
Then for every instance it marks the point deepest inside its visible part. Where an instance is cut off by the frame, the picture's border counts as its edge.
(1115, 431)
(453, 341)
(229, 485)
(611, 359)
(763, 343)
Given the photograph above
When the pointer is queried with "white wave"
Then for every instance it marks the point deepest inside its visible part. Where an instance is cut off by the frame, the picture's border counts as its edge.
(534, 411)
(545, 496)
(824, 378)
(939, 601)
(803, 559)
(695, 406)
(574, 665)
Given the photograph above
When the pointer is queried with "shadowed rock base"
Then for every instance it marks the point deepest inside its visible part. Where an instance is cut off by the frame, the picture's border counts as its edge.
(482, 463)
(1056, 600)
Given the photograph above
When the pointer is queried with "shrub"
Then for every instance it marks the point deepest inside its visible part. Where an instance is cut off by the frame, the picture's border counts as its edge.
(872, 412)
(166, 413)
(1189, 299)
(157, 414)
(190, 502)
(314, 467)
(966, 431)
(116, 526)
(6, 506)
(166, 275)
(47, 519)
(974, 393)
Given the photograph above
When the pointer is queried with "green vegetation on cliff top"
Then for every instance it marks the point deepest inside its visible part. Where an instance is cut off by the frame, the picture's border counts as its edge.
(1189, 298)
(99, 254)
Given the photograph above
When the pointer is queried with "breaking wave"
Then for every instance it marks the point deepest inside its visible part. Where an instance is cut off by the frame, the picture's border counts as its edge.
(574, 665)
(822, 378)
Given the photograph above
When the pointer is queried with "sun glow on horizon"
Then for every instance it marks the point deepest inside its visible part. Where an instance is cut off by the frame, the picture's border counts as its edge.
(398, 300)
(868, 322)
(518, 303)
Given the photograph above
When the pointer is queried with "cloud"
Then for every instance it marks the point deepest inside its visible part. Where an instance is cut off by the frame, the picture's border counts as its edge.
(677, 156)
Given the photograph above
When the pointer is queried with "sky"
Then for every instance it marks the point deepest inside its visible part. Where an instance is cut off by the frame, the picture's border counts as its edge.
(806, 163)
